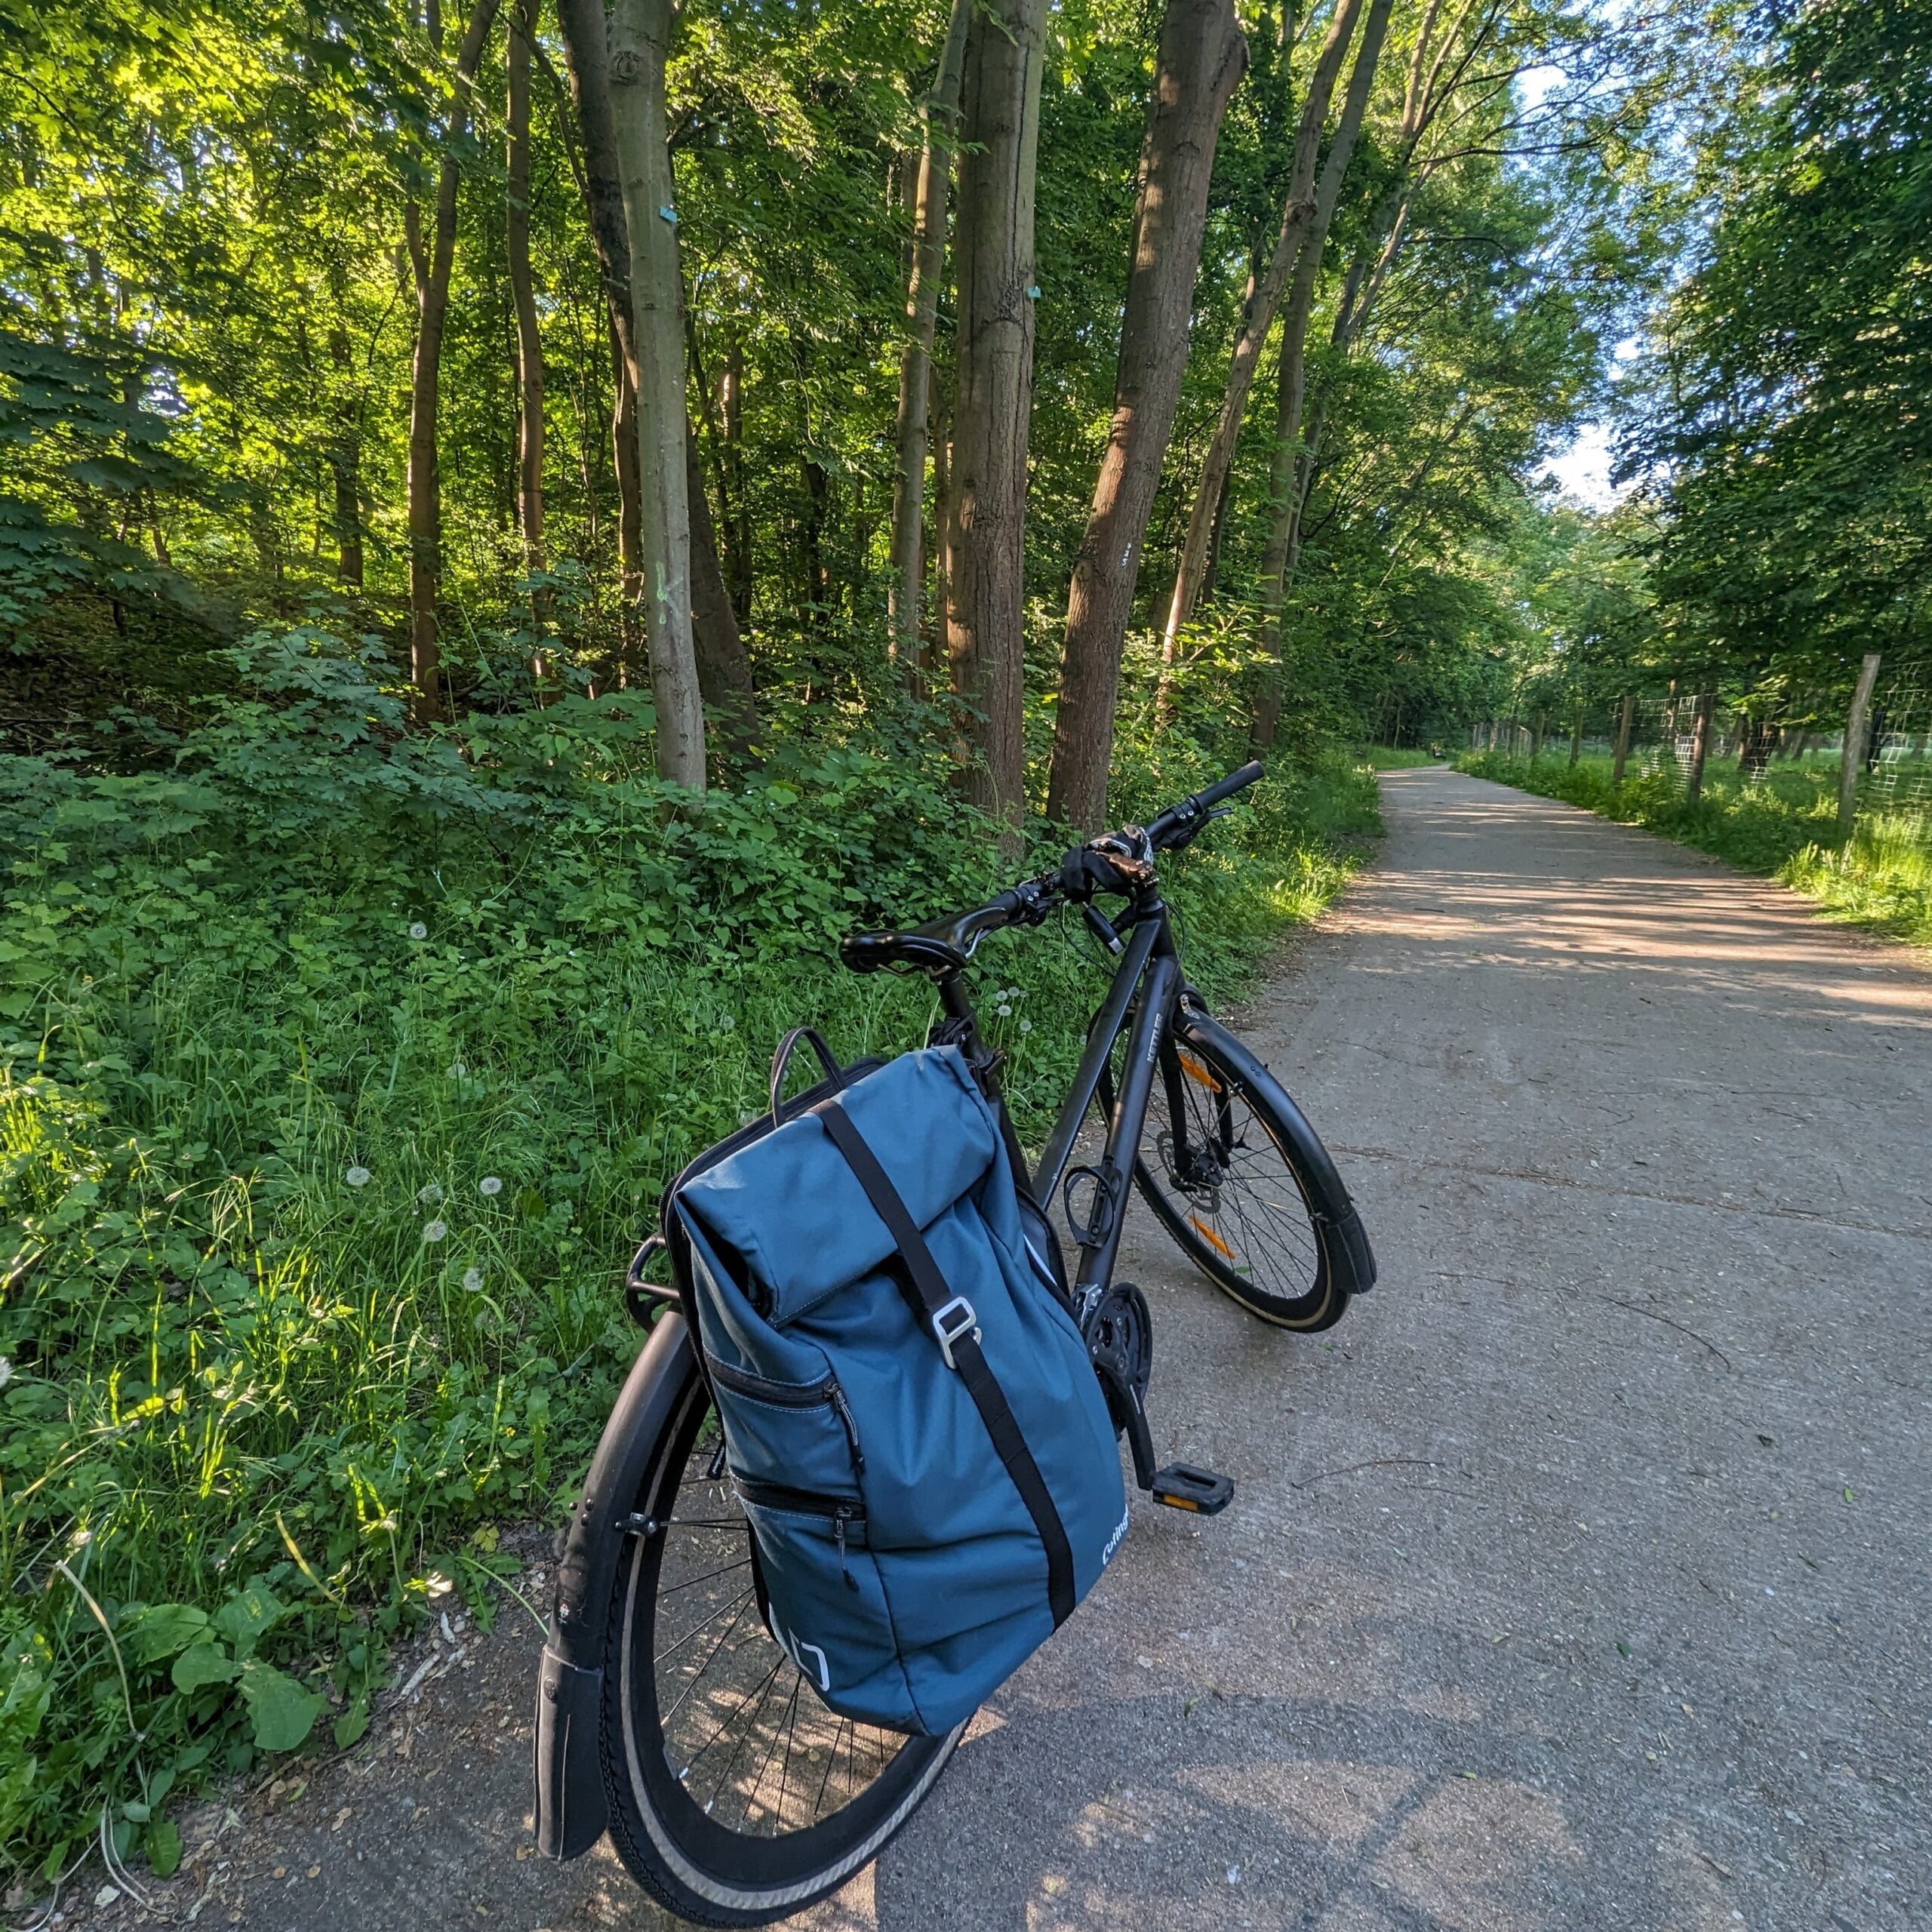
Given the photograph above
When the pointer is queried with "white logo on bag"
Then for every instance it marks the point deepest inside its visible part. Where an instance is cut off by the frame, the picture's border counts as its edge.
(1113, 1542)
(798, 1652)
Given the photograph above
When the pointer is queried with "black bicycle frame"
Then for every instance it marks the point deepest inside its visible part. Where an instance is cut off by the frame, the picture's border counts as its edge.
(1147, 982)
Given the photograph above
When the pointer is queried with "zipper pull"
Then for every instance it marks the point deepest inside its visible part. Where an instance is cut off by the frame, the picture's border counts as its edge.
(839, 1537)
(836, 1396)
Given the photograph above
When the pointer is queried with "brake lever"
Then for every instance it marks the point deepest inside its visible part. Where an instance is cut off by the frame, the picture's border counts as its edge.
(1100, 926)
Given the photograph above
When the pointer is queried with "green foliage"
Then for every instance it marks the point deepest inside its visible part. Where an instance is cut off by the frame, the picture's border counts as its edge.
(339, 1070)
(1784, 825)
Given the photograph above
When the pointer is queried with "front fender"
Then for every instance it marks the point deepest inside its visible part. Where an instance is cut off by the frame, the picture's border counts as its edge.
(570, 1808)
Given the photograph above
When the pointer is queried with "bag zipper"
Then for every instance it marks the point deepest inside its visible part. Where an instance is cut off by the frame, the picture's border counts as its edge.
(794, 1395)
(839, 1510)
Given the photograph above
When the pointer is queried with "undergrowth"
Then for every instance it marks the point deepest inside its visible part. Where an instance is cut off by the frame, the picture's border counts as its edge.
(1784, 825)
(340, 1067)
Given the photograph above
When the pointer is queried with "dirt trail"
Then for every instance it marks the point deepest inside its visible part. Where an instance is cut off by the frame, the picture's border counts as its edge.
(1578, 1579)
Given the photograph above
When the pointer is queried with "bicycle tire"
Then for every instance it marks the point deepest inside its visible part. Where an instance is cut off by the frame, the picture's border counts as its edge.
(1254, 1233)
(680, 1850)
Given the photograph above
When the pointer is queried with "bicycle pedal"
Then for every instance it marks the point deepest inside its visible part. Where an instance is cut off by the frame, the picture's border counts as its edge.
(1181, 1486)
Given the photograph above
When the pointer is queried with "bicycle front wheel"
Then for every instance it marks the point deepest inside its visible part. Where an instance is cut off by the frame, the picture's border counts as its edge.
(1227, 1163)
(736, 1797)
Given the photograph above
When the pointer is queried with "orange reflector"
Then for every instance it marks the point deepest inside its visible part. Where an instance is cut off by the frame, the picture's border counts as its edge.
(1195, 1071)
(1212, 1240)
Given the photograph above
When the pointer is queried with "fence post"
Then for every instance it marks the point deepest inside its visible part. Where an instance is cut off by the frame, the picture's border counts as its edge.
(1701, 744)
(1852, 756)
(1623, 743)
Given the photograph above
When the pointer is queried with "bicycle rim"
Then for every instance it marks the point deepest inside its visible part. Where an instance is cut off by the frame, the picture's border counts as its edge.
(1228, 1192)
(738, 1797)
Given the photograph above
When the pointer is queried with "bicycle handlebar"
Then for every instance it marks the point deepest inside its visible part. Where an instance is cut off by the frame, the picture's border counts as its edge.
(941, 944)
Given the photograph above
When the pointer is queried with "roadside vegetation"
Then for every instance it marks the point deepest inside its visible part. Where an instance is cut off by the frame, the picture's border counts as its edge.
(1783, 824)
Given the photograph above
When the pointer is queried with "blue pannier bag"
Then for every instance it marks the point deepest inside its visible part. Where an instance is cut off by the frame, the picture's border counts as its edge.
(911, 1421)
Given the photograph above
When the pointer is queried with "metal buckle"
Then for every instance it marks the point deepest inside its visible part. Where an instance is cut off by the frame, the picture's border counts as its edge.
(966, 1322)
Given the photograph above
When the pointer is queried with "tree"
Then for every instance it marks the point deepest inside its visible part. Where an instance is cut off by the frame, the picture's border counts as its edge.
(640, 47)
(432, 265)
(523, 302)
(986, 583)
(1201, 55)
(941, 116)
(1258, 315)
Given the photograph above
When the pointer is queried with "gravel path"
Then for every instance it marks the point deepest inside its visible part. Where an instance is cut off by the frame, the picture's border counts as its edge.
(1578, 1579)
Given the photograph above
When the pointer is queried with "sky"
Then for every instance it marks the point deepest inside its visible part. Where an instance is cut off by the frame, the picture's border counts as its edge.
(1583, 471)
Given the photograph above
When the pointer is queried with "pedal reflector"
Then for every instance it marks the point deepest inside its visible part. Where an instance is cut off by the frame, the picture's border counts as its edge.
(1182, 1486)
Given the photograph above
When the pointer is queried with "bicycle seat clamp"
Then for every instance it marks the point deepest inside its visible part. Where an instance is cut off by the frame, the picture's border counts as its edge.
(955, 1320)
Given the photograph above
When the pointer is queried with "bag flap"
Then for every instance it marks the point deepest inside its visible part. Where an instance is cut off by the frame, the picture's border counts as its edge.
(790, 1206)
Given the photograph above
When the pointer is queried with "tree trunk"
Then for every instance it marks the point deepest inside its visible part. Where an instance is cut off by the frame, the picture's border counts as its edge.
(1623, 743)
(1291, 387)
(986, 609)
(1536, 737)
(1257, 318)
(1853, 757)
(942, 448)
(1700, 745)
(717, 645)
(432, 266)
(1576, 738)
(1202, 56)
(723, 677)
(523, 303)
(345, 463)
(941, 116)
(735, 509)
(630, 492)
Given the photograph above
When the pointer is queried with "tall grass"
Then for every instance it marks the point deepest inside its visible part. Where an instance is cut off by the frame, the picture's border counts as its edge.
(1784, 825)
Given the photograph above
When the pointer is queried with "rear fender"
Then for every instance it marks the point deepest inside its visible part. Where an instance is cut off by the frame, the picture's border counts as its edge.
(570, 1808)
(1344, 1240)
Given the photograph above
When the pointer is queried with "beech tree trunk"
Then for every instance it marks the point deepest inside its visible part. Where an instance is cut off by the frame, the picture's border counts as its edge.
(718, 645)
(523, 303)
(941, 116)
(432, 265)
(1624, 718)
(1257, 318)
(1852, 758)
(1202, 56)
(985, 589)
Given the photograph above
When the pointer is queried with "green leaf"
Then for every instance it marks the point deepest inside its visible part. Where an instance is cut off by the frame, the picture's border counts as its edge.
(202, 1664)
(244, 1619)
(162, 1630)
(163, 1844)
(353, 1724)
(283, 1712)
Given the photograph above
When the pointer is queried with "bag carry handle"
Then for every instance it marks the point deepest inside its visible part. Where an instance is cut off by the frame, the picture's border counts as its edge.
(952, 1321)
(781, 1060)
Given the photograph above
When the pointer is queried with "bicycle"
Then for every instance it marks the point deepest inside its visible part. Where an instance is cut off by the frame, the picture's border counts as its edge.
(667, 1712)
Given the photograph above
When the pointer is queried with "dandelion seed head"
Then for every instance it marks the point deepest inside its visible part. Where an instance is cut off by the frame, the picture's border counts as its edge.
(430, 1196)
(358, 1177)
(491, 1184)
(418, 930)
(6, 1371)
(435, 1231)
(727, 1023)
(473, 1280)
(1026, 1026)
(1004, 1011)
(457, 1069)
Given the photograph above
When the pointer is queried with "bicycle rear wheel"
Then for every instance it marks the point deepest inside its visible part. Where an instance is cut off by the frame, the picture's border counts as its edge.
(736, 1797)
(1221, 1164)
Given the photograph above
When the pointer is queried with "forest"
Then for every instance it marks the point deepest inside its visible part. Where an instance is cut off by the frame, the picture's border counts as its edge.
(519, 526)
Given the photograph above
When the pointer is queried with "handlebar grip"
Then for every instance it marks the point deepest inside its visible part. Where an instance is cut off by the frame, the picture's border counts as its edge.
(1225, 788)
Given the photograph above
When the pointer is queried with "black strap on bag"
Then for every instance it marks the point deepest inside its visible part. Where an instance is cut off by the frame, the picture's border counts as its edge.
(950, 1317)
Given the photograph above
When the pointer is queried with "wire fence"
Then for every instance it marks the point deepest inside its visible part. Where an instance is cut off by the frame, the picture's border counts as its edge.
(1658, 738)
